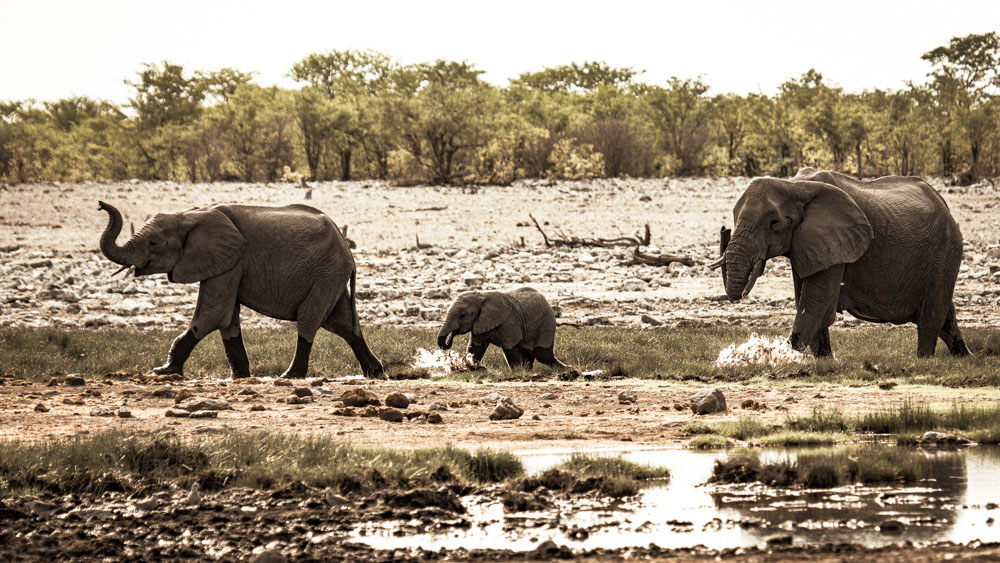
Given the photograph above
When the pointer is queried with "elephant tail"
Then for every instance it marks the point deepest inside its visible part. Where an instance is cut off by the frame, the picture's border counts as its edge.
(354, 301)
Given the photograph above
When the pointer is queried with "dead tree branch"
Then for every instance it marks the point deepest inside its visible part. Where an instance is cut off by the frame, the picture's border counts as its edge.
(561, 239)
(643, 258)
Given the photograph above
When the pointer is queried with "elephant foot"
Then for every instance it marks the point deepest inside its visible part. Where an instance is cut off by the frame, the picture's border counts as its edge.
(294, 374)
(375, 372)
(240, 374)
(169, 369)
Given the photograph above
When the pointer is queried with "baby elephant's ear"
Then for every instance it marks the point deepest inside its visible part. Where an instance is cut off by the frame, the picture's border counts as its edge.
(496, 312)
(213, 245)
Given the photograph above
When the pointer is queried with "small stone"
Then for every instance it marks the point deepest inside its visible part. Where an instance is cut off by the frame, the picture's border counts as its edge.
(296, 400)
(369, 412)
(269, 556)
(455, 405)
(438, 406)
(124, 413)
(506, 410)
(359, 397)
(74, 381)
(73, 401)
(650, 320)
(535, 417)
(886, 385)
(708, 401)
(627, 397)
(891, 527)
(493, 397)
(204, 404)
(472, 280)
(548, 397)
(634, 284)
(205, 414)
(176, 413)
(258, 408)
(435, 293)
(52, 382)
(102, 411)
(166, 392)
(282, 383)
(348, 411)
(780, 539)
(390, 414)
(41, 408)
(434, 418)
(302, 392)
(397, 400)
(182, 395)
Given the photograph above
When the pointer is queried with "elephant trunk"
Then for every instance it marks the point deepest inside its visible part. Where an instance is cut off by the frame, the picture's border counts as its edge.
(127, 254)
(446, 335)
(741, 268)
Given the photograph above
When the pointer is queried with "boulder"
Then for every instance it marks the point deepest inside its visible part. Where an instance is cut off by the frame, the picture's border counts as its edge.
(627, 397)
(194, 404)
(506, 410)
(397, 400)
(708, 401)
(359, 397)
(390, 414)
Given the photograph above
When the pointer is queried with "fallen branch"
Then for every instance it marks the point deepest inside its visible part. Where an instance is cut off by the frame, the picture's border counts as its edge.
(640, 257)
(561, 239)
(421, 245)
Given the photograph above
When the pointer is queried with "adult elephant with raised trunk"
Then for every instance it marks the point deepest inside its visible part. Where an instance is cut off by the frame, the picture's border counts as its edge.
(885, 250)
(290, 263)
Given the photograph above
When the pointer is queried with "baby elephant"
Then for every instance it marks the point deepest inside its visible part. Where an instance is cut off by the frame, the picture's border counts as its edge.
(520, 322)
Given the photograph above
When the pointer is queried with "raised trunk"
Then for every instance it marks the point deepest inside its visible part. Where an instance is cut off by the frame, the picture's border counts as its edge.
(126, 255)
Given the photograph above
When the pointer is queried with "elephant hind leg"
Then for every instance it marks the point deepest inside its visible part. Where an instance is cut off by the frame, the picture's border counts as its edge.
(952, 336)
(547, 357)
(308, 319)
(343, 322)
(516, 357)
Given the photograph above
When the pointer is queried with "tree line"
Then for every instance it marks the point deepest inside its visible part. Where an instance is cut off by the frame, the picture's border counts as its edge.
(360, 114)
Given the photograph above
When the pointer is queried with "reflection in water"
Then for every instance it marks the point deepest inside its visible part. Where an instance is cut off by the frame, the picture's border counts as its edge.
(953, 503)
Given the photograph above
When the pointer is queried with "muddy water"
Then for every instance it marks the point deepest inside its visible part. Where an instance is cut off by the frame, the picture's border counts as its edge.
(955, 502)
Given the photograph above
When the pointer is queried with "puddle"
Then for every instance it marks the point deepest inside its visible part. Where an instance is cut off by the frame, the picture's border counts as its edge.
(956, 501)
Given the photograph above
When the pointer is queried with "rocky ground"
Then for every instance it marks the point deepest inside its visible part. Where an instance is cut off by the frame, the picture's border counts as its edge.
(52, 274)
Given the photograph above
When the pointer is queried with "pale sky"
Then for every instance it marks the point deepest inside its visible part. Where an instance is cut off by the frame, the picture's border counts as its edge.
(54, 49)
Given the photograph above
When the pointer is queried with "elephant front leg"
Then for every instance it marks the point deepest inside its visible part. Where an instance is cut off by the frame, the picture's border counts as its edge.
(236, 352)
(180, 350)
(515, 358)
(477, 348)
(816, 309)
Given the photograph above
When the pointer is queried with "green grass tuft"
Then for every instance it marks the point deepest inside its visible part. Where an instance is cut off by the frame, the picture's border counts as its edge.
(870, 465)
(586, 465)
(708, 442)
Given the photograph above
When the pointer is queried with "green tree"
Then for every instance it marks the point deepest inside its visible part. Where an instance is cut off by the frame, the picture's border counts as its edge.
(681, 114)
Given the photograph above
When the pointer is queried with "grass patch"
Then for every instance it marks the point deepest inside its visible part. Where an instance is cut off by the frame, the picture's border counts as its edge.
(708, 442)
(743, 428)
(871, 465)
(865, 354)
(791, 438)
(582, 473)
(116, 460)
(585, 465)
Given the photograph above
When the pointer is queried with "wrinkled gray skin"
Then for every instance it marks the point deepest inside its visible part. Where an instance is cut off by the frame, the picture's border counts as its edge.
(290, 263)
(520, 322)
(885, 250)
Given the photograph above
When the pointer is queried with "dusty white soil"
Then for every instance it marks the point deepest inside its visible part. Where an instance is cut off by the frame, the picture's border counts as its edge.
(53, 275)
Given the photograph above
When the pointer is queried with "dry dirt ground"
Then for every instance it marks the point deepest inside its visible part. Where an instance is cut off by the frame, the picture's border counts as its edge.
(52, 275)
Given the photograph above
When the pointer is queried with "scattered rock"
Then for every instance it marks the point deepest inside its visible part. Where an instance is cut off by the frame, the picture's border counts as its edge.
(74, 381)
(41, 408)
(176, 413)
(472, 280)
(204, 404)
(73, 401)
(779, 539)
(493, 398)
(506, 410)
(122, 413)
(297, 400)
(397, 400)
(359, 397)
(102, 411)
(931, 438)
(627, 397)
(634, 284)
(302, 392)
(434, 418)
(258, 408)
(886, 385)
(205, 414)
(650, 320)
(708, 401)
(892, 527)
(166, 392)
(549, 397)
(344, 412)
(182, 395)
(390, 414)
(438, 406)
(369, 412)
(269, 556)
(282, 383)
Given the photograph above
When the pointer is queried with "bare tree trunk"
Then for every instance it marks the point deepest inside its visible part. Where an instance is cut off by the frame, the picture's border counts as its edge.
(345, 165)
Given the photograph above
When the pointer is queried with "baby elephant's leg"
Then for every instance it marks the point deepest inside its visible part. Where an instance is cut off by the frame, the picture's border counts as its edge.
(516, 359)
(477, 348)
(547, 357)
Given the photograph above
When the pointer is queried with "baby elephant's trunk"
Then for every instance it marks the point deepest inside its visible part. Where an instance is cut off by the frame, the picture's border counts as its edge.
(446, 336)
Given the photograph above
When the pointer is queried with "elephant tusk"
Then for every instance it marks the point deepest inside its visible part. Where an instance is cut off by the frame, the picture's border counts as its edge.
(450, 339)
(758, 269)
(718, 262)
(119, 270)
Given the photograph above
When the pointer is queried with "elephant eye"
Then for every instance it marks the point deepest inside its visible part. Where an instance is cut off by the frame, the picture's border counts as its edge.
(152, 243)
(774, 224)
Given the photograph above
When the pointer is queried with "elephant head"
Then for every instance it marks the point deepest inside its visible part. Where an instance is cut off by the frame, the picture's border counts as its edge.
(190, 246)
(814, 223)
(477, 312)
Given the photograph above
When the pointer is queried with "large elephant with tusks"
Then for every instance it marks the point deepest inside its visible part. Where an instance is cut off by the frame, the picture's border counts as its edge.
(885, 250)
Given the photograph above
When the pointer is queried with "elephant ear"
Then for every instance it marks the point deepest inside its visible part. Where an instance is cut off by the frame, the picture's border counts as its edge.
(833, 229)
(496, 312)
(213, 245)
